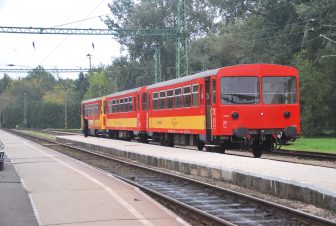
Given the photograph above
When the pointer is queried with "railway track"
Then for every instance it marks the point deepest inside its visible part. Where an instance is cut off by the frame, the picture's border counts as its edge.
(282, 152)
(304, 154)
(197, 202)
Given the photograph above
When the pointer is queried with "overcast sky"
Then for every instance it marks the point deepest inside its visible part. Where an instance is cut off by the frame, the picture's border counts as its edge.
(54, 51)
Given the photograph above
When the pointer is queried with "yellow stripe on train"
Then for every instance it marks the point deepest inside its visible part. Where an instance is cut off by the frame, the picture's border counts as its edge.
(121, 122)
(94, 123)
(182, 122)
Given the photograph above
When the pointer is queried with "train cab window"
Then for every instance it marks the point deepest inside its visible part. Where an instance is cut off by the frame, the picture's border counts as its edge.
(195, 95)
(239, 90)
(144, 101)
(279, 90)
(170, 99)
(162, 99)
(155, 101)
(135, 104)
(178, 98)
(186, 96)
(213, 91)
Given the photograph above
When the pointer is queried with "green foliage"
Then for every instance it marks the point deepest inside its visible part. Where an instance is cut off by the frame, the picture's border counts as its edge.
(220, 32)
(313, 99)
(46, 100)
(99, 84)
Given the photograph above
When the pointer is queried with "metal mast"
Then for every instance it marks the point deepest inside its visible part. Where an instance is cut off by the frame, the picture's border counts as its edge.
(179, 33)
(25, 121)
(181, 40)
(157, 58)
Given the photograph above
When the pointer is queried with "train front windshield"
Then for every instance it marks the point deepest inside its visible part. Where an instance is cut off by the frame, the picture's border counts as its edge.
(279, 90)
(239, 90)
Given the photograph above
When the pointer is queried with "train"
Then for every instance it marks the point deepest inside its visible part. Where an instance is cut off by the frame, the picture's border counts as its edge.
(253, 104)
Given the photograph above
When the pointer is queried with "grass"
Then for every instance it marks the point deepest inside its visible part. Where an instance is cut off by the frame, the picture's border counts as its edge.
(323, 145)
(38, 134)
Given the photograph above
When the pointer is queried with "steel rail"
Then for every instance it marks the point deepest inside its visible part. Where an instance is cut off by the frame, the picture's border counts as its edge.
(304, 217)
(305, 154)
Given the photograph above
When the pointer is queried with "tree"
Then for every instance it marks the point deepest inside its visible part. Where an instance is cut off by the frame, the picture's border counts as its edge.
(99, 85)
(4, 83)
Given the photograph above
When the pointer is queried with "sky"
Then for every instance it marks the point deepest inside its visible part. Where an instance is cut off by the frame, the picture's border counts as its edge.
(54, 51)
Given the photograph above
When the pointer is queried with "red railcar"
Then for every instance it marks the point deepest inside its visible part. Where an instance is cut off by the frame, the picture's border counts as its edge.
(93, 110)
(253, 103)
(123, 114)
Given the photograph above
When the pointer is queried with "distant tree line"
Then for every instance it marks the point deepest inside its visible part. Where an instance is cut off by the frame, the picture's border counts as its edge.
(221, 33)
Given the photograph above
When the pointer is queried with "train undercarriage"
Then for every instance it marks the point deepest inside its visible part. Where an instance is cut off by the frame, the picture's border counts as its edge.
(258, 141)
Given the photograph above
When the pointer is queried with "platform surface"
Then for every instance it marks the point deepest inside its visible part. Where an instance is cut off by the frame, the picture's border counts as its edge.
(317, 178)
(15, 206)
(64, 191)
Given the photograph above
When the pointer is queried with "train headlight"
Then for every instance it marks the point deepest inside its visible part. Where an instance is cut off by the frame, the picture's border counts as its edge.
(287, 114)
(235, 115)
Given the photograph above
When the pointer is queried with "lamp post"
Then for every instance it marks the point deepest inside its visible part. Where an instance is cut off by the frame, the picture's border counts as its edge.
(89, 56)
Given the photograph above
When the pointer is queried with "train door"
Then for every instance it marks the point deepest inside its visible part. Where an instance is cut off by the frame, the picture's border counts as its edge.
(208, 109)
(103, 114)
(144, 108)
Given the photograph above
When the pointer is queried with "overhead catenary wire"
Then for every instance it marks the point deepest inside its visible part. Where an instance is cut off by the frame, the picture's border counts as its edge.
(92, 11)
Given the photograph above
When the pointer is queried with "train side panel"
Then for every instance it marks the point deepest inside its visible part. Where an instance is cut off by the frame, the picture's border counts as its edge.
(177, 108)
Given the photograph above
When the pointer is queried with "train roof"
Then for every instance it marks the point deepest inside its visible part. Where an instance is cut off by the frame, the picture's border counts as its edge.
(202, 74)
(185, 79)
(91, 100)
(124, 92)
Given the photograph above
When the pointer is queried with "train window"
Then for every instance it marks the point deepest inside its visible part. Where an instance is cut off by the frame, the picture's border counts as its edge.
(117, 106)
(186, 96)
(213, 91)
(135, 104)
(239, 90)
(178, 98)
(162, 99)
(130, 104)
(126, 104)
(114, 106)
(144, 101)
(155, 101)
(121, 105)
(279, 90)
(170, 99)
(195, 95)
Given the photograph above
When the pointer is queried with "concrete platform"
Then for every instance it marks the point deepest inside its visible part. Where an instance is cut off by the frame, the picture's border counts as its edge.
(15, 207)
(312, 184)
(64, 191)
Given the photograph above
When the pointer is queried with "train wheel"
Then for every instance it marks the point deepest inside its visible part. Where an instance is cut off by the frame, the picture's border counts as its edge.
(162, 140)
(143, 138)
(200, 145)
(257, 149)
(170, 140)
(221, 148)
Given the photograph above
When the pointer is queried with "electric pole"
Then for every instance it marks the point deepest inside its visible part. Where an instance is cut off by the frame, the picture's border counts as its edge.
(179, 33)
(25, 121)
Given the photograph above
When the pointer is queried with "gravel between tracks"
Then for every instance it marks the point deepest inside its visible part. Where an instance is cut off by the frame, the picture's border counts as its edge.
(286, 202)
